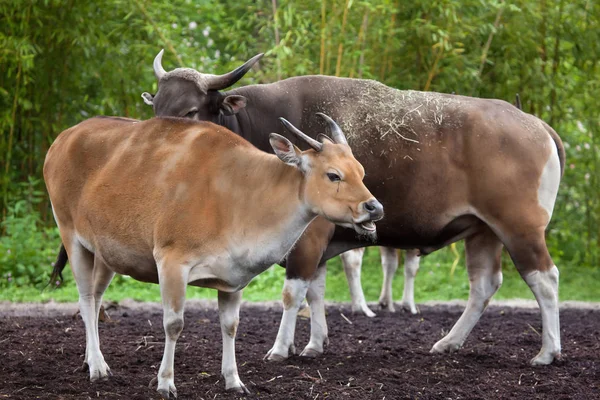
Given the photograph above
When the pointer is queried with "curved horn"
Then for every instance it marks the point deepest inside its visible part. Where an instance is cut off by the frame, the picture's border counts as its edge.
(315, 144)
(159, 71)
(221, 82)
(336, 131)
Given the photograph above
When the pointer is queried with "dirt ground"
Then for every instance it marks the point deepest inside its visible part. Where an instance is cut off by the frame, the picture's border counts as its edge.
(386, 357)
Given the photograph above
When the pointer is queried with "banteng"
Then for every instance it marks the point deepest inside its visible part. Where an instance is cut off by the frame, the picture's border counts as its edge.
(446, 168)
(177, 202)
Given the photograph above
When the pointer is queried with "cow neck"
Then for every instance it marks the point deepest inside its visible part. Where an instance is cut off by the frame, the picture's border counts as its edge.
(249, 122)
(270, 192)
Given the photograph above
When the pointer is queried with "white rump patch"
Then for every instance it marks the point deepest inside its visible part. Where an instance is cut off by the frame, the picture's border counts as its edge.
(550, 180)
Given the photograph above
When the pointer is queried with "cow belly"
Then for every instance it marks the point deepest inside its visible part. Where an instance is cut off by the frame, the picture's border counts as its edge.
(127, 261)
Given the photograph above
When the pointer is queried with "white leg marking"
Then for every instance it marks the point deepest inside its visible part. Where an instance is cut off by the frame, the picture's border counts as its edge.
(389, 265)
(294, 291)
(172, 290)
(229, 315)
(352, 262)
(102, 278)
(544, 286)
(550, 180)
(482, 290)
(485, 278)
(83, 270)
(411, 266)
(318, 324)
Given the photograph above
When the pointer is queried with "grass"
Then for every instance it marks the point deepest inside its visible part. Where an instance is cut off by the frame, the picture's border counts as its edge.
(434, 282)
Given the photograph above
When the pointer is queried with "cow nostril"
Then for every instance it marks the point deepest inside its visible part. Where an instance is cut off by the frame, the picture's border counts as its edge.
(370, 207)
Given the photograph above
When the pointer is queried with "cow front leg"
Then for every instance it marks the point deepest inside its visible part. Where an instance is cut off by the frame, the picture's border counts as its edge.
(172, 278)
(483, 252)
(315, 296)
(229, 316)
(411, 267)
(294, 291)
(352, 262)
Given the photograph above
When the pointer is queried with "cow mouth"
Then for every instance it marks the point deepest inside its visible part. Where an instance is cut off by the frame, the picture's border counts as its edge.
(368, 226)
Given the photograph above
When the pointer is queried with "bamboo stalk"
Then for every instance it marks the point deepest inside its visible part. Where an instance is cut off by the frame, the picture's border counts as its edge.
(488, 43)
(276, 27)
(360, 44)
(555, 62)
(338, 64)
(433, 71)
(387, 44)
(328, 51)
(323, 35)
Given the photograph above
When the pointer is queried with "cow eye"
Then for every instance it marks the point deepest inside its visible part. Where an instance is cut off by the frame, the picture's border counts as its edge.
(191, 114)
(333, 177)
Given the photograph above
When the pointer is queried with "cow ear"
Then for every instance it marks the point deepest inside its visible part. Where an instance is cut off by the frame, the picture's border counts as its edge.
(232, 104)
(286, 151)
(148, 98)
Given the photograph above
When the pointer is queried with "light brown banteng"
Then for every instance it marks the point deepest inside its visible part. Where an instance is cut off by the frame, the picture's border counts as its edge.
(445, 167)
(179, 202)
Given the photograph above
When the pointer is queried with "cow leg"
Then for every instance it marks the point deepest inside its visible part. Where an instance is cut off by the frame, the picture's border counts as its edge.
(294, 291)
(82, 265)
(389, 264)
(229, 315)
(318, 324)
(536, 267)
(172, 278)
(102, 276)
(352, 262)
(483, 252)
(411, 266)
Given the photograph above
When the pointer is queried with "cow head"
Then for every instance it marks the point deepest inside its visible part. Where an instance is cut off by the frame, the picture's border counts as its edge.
(334, 186)
(185, 92)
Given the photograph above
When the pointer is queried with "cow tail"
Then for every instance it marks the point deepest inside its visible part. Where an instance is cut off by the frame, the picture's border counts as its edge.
(59, 265)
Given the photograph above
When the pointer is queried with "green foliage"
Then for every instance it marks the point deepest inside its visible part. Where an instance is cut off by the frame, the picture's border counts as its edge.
(62, 61)
(28, 248)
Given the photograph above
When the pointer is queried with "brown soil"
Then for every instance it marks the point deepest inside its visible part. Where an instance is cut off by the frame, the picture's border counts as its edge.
(385, 357)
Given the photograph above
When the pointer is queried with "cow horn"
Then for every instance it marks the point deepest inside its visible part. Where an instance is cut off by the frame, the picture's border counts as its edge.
(336, 131)
(315, 144)
(159, 71)
(224, 81)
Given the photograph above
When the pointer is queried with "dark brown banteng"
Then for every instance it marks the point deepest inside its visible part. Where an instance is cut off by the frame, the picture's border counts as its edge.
(179, 202)
(446, 168)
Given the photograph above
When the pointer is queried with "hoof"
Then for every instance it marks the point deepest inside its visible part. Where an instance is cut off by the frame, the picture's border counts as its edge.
(384, 305)
(311, 353)
(445, 347)
(242, 389)
(274, 357)
(164, 393)
(100, 376)
(410, 308)
(545, 358)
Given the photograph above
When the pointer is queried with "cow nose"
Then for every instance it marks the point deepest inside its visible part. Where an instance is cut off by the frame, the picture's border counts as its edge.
(374, 208)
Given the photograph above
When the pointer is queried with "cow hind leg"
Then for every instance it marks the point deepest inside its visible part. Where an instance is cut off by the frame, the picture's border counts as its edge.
(485, 277)
(536, 267)
(315, 296)
(102, 278)
(389, 265)
(82, 264)
(352, 262)
(229, 316)
(411, 266)
(172, 279)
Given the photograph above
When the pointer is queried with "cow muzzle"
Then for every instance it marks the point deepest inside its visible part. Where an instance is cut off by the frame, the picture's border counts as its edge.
(372, 212)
